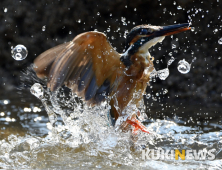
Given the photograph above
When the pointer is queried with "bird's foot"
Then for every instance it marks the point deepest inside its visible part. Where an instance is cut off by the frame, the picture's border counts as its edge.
(137, 125)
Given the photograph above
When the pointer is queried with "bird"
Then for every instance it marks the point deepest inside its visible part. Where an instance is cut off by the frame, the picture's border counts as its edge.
(94, 70)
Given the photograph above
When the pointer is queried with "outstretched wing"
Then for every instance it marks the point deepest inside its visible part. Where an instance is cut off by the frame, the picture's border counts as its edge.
(88, 65)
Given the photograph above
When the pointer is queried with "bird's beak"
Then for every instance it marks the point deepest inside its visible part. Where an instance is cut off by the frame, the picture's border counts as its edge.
(172, 29)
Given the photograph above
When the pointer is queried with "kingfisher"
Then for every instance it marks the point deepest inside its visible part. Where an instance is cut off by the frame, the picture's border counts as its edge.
(94, 70)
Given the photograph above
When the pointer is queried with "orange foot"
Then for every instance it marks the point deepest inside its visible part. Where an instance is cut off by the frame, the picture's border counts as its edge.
(137, 125)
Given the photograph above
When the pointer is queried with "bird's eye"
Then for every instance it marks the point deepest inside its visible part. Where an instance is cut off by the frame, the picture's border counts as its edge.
(143, 31)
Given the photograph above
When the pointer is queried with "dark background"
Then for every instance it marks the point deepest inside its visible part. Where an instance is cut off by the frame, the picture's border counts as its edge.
(23, 22)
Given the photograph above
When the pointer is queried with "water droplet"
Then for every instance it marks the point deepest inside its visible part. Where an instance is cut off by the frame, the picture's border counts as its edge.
(70, 32)
(37, 90)
(6, 9)
(104, 93)
(193, 60)
(174, 46)
(123, 19)
(157, 94)
(19, 52)
(163, 74)
(220, 41)
(170, 54)
(79, 21)
(148, 96)
(157, 61)
(98, 13)
(179, 7)
(43, 28)
(192, 29)
(170, 61)
(165, 91)
(134, 9)
(108, 29)
(215, 30)
(131, 80)
(183, 66)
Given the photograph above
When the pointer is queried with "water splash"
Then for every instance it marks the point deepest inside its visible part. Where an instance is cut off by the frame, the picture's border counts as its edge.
(87, 134)
(38, 91)
(20, 52)
(110, 152)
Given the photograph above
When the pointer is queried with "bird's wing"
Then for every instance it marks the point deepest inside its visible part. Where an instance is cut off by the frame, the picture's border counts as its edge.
(88, 65)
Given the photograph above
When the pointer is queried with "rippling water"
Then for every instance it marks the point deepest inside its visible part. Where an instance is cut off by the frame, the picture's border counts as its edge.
(83, 139)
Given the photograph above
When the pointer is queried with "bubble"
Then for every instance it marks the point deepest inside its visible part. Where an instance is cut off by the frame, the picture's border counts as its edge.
(20, 52)
(6, 9)
(183, 66)
(37, 90)
(79, 21)
(220, 41)
(163, 74)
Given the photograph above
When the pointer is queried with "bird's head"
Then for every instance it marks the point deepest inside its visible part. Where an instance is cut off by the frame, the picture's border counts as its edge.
(142, 37)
